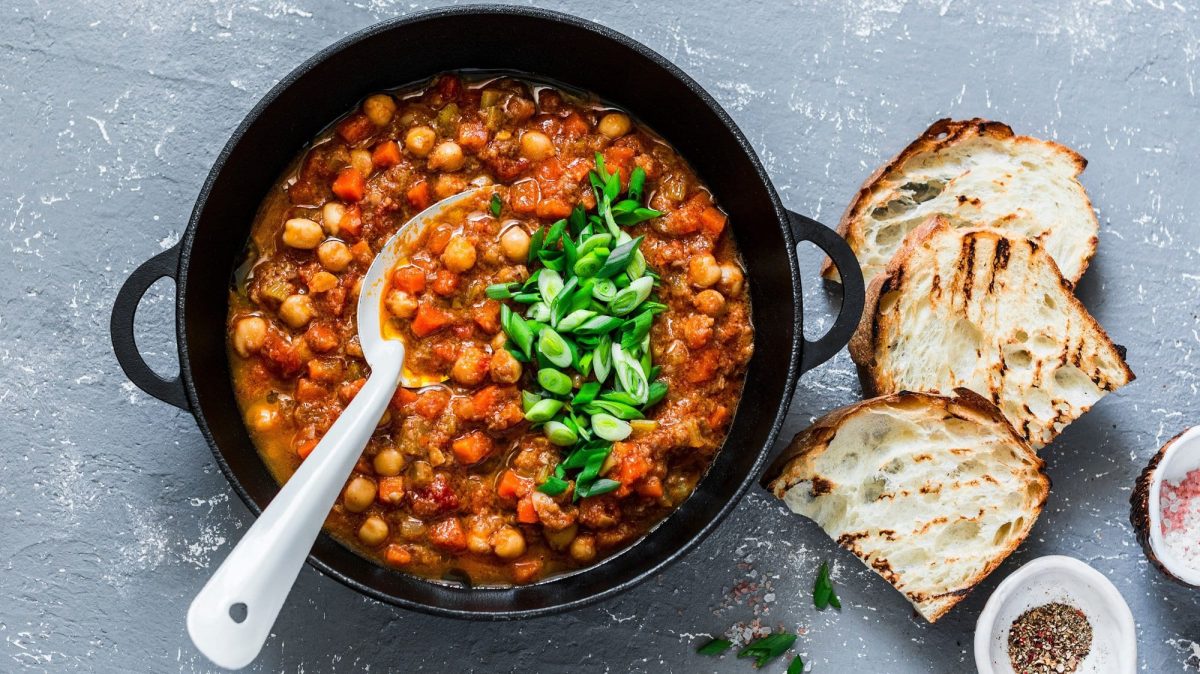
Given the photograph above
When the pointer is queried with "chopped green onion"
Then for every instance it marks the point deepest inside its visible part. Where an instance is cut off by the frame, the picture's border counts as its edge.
(594, 241)
(823, 594)
(637, 265)
(554, 381)
(610, 428)
(559, 434)
(554, 347)
(539, 311)
(715, 646)
(602, 361)
(577, 220)
(604, 290)
(501, 291)
(600, 486)
(658, 391)
(629, 298)
(526, 298)
(550, 284)
(637, 182)
(630, 375)
(574, 319)
(544, 409)
(553, 486)
(554, 234)
(517, 330)
(635, 216)
(589, 264)
(496, 205)
(618, 410)
(796, 666)
(597, 325)
(535, 244)
(528, 400)
(636, 328)
(587, 393)
(619, 258)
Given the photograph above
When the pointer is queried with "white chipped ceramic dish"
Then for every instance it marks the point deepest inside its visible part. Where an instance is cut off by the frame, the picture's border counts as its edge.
(1179, 457)
(1056, 578)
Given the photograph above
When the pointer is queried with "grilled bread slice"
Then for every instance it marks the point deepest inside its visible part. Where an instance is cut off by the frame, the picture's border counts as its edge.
(989, 311)
(931, 492)
(976, 173)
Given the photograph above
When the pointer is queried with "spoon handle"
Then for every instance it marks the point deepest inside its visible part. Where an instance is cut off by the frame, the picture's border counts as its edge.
(253, 581)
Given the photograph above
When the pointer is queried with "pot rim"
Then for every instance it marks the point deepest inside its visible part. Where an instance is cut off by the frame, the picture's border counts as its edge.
(1189, 440)
(794, 357)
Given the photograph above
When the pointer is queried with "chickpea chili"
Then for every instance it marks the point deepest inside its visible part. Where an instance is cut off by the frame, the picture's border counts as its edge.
(469, 473)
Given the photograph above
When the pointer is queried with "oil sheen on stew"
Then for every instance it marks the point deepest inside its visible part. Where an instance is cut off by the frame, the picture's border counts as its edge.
(464, 476)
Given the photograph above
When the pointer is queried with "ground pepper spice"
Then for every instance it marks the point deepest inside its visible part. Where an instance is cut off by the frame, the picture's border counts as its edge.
(1049, 639)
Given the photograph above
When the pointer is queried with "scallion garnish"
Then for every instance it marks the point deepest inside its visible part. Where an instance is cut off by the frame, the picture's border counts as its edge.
(715, 647)
(796, 666)
(767, 648)
(496, 205)
(823, 594)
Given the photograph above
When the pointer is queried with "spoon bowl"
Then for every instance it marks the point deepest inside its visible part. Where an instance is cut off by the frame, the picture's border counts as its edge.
(231, 617)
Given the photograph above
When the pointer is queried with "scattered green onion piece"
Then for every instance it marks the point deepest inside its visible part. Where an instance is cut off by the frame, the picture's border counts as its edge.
(604, 290)
(597, 325)
(635, 216)
(559, 434)
(552, 260)
(517, 330)
(637, 182)
(636, 328)
(589, 264)
(496, 205)
(554, 347)
(535, 244)
(574, 319)
(610, 428)
(570, 252)
(543, 410)
(602, 361)
(554, 381)
(715, 646)
(767, 648)
(618, 410)
(501, 291)
(513, 349)
(527, 298)
(587, 393)
(630, 375)
(637, 265)
(594, 241)
(577, 220)
(796, 666)
(600, 486)
(561, 305)
(539, 311)
(619, 258)
(823, 595)
(554, 234)
(553, 486)
(619, 397)
(629, 298)
(550, 284)
(658, 391)
(528, 400)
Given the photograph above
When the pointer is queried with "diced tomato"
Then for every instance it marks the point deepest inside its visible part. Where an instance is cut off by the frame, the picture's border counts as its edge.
(355, 128)
(575, 125)
(281, 354)
(526, 570)
(308, 391)
(487, 316)
(445, 282)
(512, 485)
(524, 196)
(472, 136)
(448, 535)
(429, 319)
(350, 389)
(549, 169)
(321, 337)
(391, 490)
(419, 195)
(472, 448)
(484, 400)
(703, 366)
(410, 279)
(431, 403)
(553, 209)
(349, 185)
(437, 497)
(351, 225)
(712, 221)
(526, 513)
(386, 154)
(327, 370)
(396, 555)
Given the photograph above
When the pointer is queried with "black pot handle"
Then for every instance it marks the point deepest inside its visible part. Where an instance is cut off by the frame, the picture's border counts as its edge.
(125, 306)
(816, 352)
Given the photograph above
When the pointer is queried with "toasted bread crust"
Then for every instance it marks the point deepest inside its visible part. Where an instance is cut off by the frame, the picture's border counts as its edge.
(865, 344)
(941, 135)
(798, 461)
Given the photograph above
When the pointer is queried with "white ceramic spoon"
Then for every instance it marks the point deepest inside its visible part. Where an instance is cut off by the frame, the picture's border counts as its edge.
(230, 618)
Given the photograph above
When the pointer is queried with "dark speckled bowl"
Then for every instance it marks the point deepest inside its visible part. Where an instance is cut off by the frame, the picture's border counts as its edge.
(1178, 456)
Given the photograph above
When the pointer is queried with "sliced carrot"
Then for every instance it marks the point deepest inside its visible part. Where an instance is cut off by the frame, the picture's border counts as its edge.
(306, 447)
(391, 490)
(483, 401)
(430, 404)
(396, 555)
(448, 534)
(553, 209)
(308, 391)
(445, 282)
(512, 485)
(349, 185)
(402, 397)
(355, 128)
(429, 319)
(439, 238)
(712, 221)
(386, 154)
(526, 513)
(487, 316)
(472, 448)
(410, 279)
(350, 389)
(351, 225)
(524, 196)
(327, 370)
(419, 195)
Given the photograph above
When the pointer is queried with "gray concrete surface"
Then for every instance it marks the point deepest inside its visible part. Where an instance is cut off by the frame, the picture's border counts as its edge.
(114, 513)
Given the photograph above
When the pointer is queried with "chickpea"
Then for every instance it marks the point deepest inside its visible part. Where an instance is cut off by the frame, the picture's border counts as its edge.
(536, 145)
(447, 156)
(515, 243)
(331, 217)
(373, 531)
(362, 162)
(263, 417)
(302, 233)
(504, 368)
(359, 494)
(249, 335)
(459, 255)
(583, 548)
(508, 543)
(296, 311)
(478, 543)
(470, 368)
(419, 140)
(732, 279)
(709, 302)
(401, 304)
(388, 463)
(560, 539)
(614, 124)
(334, 255)
(379, 109)
(703, 271)
(322, 281)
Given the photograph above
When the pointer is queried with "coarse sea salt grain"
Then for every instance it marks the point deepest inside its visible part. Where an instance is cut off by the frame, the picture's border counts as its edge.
(1180, 503)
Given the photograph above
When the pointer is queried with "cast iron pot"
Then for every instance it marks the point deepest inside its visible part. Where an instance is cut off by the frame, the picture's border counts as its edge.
(576, 52)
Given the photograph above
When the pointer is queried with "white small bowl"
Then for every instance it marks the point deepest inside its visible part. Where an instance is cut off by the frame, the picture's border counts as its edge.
(1173, 462)
(1055, 578)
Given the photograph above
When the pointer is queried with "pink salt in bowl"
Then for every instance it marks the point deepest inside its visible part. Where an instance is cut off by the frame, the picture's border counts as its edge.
(1173, 463)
